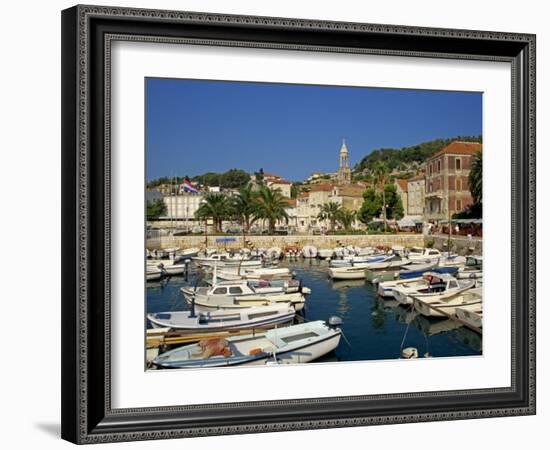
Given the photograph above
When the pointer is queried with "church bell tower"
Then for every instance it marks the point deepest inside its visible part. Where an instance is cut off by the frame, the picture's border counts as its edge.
(344, 172)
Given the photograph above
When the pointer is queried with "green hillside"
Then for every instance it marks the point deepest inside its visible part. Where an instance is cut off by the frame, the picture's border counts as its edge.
(403, 158)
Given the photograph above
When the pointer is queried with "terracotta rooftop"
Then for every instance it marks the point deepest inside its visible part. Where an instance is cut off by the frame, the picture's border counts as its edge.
(459, 148)
(303, 195)
(351, 190)
(322, 187)
(271, 175)
(291, 202)
(403, 184)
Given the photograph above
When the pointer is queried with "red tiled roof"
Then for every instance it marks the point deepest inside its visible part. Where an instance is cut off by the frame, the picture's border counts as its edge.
(291, 202)
(403, 184)
(459, 148)
(271, 175)
(351, 190)
(303, 195)
(322, 187)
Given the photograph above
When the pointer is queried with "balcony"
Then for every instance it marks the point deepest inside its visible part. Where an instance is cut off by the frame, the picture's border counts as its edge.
(434, 194)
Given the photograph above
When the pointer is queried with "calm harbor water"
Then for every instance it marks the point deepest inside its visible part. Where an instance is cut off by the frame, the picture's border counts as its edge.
(375, 328)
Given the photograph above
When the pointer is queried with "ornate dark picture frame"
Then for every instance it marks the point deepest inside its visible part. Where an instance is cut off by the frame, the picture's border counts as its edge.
(87, 33)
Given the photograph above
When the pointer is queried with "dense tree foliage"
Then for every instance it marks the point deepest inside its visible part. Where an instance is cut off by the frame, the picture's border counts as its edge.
(271, 207)
(217, 207)
(232, 179)
(373, 202)
(475, 178)
(245, 205)
(346, 218)
(330, 211)
(371, 207)
(394, 204)
(399, 158)
(155, 209)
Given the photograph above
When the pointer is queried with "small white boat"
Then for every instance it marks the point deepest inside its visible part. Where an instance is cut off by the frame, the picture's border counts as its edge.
(227, 260)
(247, 318)
(445, 305)
(390, 262)
(170, 266)
(153, 273)
(423, 255)
(386, 288)
(471, 315)
(347, 261)
(244, 294)
(266, 273)
(309, 251)
(451, 260)
(365, 251)
(416, 266)
(290, 345)
(188, 253)
(355, 272)
(473, 268)
(326, 253)
(439, 285)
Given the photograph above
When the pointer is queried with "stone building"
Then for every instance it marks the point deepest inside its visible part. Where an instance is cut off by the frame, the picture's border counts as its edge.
(275, 181)
(402, 188)
(309, 204)
(447, 189)
(182, 207)
(415, 195)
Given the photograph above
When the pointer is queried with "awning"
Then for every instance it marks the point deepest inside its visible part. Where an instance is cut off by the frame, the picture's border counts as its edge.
(405, 222)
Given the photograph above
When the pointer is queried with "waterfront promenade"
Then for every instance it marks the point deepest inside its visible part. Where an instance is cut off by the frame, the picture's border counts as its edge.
(327, 241)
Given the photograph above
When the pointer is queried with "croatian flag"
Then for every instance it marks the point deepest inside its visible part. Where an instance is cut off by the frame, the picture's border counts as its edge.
(188, 187)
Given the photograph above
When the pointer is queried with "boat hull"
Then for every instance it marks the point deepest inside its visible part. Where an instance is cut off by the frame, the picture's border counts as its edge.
(297, 355)
(267, 322)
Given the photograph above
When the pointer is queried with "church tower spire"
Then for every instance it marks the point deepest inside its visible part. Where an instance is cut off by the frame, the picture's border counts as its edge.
(344, 172)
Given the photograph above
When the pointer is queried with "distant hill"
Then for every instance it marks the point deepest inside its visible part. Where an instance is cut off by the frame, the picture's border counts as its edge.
(405, 157)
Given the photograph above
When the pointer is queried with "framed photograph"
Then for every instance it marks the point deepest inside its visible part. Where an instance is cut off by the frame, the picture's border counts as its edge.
(282, 224)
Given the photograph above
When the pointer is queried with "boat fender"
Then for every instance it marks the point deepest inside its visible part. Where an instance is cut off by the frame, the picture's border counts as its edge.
(409, 353)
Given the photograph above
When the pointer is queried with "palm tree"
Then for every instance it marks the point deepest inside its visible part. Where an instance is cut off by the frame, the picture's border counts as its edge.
(245, 206)
(381, 177)
(330, 211)
(475, 179)
(346, 217)
(216, 206)
(271, 205)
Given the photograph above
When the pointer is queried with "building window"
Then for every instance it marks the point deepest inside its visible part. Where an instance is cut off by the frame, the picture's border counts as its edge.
(459, 205)
(439, 166)
(458, 184)
(458, 163)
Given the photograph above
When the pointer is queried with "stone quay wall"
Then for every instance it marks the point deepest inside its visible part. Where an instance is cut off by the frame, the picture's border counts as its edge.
(459, 244)
(364, 240)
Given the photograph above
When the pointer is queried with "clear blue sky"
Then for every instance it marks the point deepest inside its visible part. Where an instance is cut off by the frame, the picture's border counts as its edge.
(195, 126)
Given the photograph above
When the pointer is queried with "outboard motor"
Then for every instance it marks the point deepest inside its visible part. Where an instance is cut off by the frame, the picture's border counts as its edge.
(334, 321)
